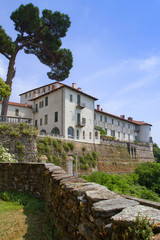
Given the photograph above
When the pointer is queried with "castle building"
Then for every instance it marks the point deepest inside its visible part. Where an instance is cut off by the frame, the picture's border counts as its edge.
(66, 112)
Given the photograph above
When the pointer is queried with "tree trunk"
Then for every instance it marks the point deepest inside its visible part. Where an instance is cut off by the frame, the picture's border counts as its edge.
(10, 76)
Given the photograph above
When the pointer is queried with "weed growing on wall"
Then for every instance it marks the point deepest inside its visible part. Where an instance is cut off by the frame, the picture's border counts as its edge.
(141, 229)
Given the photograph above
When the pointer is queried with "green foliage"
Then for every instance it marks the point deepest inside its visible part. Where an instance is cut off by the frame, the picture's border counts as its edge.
(66, 147)
(71, 146)
(5, 156)
(55, 143)
(83, 149)
(5, 90)
(141, 229)
(149, 176)
(40, 36)
(156, 152)
(17, 130)
(20, 148)
(124, 184)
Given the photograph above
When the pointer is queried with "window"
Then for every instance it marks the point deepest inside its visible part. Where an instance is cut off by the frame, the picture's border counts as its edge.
(77, 134)
(118, 123)
(112, 121)
(90, 135)
(128, 137)
(36, 123)
(46, 101)
(41, 104)
(78, 99)
(38, 91)
(119, 135)
(25, 95)
(71, 98)
(106, 131)
(46, 119)
(30, 94)
(43, 91)
(55, 131)
(124, 136)
(105, 119)
(78, 118)
(70, 132)
(123, 124)
(36, 107)
(16, 112)
(56, 117)
(40, 121)
(96, 135)
(129, 126)
(113, 133)
(101, 118)
(48, 88)
(83, 134)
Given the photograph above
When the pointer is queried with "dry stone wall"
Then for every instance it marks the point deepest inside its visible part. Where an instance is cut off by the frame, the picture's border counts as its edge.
(83, 211)
(116, 156)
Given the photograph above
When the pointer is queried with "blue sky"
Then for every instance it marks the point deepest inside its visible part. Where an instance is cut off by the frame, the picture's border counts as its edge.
(116, 51)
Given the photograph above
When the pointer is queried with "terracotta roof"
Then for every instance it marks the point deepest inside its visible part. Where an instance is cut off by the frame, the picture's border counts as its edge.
(63, 85)
(124, 119)
(19, 104)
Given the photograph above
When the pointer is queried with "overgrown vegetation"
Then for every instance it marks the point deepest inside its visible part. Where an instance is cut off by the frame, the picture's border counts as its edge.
(17, 130)
(31, 215)
(5, 156)
(156, 152)
(57, 151)
(143, 183)
(141, 229)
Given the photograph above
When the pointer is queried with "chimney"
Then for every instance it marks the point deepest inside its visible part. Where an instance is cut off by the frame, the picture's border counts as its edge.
(79, 89)
(74, 85)
(122, 116)
(98, 106)
(102, 109)
(130, 118)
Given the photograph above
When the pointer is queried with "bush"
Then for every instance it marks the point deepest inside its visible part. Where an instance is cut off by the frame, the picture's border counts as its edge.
(71, 146)
(5, 156)
(66, 147)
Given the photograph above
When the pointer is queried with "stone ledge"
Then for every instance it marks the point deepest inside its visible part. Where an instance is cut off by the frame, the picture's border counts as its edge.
(129, 214)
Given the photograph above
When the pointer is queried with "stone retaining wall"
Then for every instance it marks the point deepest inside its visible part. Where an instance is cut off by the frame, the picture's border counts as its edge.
(83, 211)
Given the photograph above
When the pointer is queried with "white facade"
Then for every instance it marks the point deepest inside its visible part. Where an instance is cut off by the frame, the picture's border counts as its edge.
(67, 112)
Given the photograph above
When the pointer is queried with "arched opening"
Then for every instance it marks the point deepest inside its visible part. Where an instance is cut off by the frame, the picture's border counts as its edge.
(96, 135)
(70, 132)
(43, 132)
(55, 131)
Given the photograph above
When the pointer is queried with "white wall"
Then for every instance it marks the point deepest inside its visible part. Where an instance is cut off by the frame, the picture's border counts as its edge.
(71, 115)
(144, 133)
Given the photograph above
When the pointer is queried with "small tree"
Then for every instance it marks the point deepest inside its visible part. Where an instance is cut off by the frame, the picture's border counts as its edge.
(40, 36)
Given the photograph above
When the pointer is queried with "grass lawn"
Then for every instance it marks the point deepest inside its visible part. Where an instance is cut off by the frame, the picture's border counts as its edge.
(17, 223)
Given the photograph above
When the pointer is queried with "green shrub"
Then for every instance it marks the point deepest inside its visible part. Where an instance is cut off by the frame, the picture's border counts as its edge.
(95, 155)
(83, 149)
(55, 143)
(71, 146)
(5, 156)
(66, 147)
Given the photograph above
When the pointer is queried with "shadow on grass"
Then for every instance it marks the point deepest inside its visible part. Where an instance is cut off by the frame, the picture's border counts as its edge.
(37, 224)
